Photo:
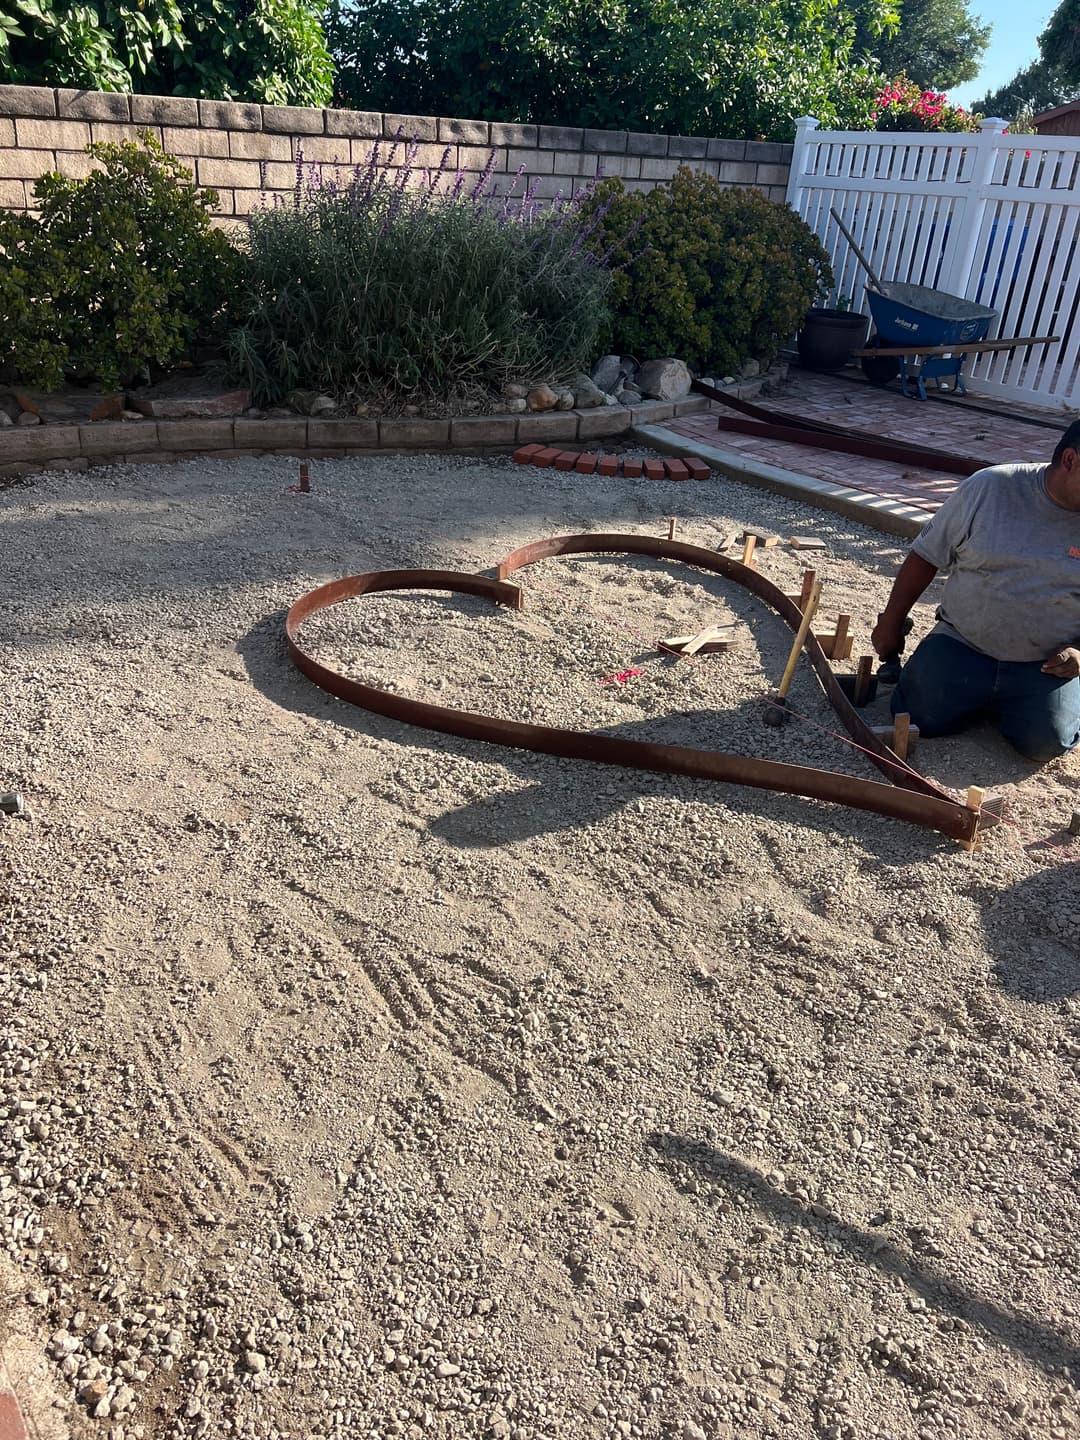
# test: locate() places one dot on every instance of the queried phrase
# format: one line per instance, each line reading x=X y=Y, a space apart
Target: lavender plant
x=399 y=283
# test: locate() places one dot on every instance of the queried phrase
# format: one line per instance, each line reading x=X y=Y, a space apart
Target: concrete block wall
x=248 y=153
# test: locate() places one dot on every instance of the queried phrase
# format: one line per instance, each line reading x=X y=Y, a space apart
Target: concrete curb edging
x=27 y=451
x=891 y=516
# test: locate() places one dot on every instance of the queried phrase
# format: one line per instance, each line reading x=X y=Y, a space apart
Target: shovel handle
x=800 y=640
x=875 y=278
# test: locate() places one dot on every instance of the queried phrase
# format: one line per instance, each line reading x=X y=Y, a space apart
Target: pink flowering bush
x=901 y=105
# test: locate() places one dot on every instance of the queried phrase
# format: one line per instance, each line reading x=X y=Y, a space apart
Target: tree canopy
x=1051 y=79
x=937 y=43
x=272 y=51
x=717 y=67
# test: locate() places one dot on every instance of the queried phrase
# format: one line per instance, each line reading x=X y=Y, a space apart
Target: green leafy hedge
x=120 y=273
x=715 y=276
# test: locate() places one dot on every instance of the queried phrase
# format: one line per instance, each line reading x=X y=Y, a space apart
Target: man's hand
x=1065 y=664
x=887 y=636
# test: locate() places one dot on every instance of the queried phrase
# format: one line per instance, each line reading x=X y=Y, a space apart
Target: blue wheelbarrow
x=913 y=326
x=910 y=319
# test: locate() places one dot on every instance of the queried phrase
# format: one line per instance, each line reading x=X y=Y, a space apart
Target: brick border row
x=24 y=451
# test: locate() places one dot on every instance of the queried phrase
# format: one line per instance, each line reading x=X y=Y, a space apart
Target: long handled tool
x=776 y=713
x=875 y=278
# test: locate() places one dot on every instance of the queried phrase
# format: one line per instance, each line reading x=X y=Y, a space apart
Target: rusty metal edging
x=795 y=429
x=914 y=799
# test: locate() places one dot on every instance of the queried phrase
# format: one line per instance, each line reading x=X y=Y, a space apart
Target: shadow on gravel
x=1030 y=929
x=1046 y=1347
x=551 y=804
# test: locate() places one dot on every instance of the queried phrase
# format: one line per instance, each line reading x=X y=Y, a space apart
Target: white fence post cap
x=993 y=122
x=807 y=122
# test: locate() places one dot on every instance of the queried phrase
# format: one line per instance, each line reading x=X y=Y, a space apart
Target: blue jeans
x=946 y=685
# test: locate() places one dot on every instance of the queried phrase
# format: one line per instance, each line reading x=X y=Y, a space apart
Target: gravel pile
x=361 y=1082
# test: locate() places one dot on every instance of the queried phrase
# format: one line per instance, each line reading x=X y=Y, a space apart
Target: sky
x=1014 y=43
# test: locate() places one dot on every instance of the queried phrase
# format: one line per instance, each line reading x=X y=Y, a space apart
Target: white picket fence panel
x=992 y=217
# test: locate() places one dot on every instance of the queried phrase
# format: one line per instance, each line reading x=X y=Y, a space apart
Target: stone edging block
x=23 y=451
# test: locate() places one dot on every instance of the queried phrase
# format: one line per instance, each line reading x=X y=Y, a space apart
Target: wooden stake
x=800 y=640
x=671 y=528
x=748 y=549
x=841 y=647
x=808 y=578
x=975 y=796
x=901 y=734
x=862 y=679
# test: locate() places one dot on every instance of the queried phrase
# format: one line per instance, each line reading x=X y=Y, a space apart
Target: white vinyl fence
x=991 y=217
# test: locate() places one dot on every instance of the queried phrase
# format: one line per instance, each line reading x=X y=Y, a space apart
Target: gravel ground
x=361 y=1082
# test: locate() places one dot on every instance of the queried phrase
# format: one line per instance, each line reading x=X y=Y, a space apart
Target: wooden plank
x=980 y=347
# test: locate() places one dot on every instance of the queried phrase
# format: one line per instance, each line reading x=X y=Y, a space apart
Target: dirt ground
x=361 y=1082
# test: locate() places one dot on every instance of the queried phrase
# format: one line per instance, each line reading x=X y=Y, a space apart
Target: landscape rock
x=517 y=405
x=565 y=400
x=606 y=372
x=5 y=419
x=749 y=370
x=664 y=379
x=514 y=391
x=587 y=395
x=71 y=406
x=628 y=396
x=184 y=396
x=542 y=397
x=28 y=418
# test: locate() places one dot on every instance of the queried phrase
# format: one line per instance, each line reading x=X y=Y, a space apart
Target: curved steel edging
x=935 y=810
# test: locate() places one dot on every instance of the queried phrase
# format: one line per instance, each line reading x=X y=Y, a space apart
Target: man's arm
x=911 y=580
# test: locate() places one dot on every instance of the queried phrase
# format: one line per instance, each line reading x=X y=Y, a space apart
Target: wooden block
x=763 y=538
x=697 y=468
x=525 y=454
x=895 y=737
x=608 y=465
x=975 y=797
x=632 y=467
x=566 y=460
x=806 y=542
x=586 y=464
x=837 y=645
x=654 y=470
x=544 y=459
x=676 y=470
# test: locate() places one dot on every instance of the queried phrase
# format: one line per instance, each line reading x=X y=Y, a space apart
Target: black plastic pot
x=829 y=338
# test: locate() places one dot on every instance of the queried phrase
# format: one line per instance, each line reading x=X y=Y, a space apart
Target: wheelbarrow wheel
x=879 y=369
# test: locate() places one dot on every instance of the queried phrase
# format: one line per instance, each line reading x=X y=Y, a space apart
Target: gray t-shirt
x=1013 y=560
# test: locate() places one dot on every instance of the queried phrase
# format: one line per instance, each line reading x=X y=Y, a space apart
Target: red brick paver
x=586 y=464
x=885 y=413
x=676 y=470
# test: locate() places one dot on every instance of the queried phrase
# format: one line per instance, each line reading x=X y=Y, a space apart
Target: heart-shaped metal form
x=910 y=797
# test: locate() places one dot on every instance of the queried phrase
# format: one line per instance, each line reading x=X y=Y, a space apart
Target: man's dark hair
x=1069 y=441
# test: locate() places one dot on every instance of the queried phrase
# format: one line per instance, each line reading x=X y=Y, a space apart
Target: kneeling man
x=1007 y=638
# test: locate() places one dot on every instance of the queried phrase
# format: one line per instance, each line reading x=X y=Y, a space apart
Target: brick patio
x=886 y=413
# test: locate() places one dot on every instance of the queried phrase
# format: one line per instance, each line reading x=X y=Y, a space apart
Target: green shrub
x=718 y=276
x=390 y=288
x=120 y=273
